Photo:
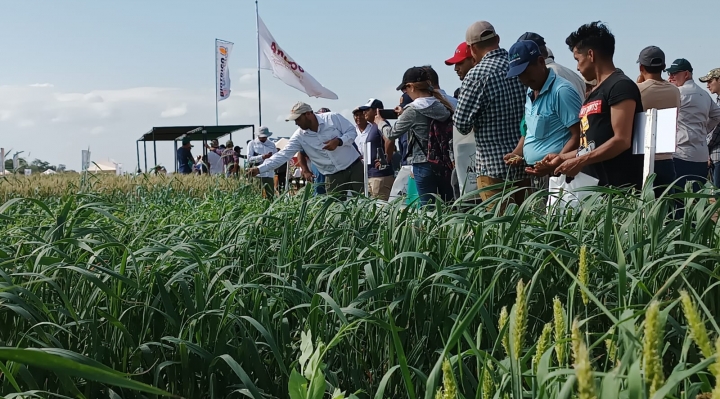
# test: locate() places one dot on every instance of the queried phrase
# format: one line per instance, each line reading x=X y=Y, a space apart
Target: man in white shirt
x=698 y=115
x=363 y=128
x=328 y=140
x=216 y=165
x=258 y=151
x=564 y=72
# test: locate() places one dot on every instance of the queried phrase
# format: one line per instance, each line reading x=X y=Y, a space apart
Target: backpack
x=439 y=151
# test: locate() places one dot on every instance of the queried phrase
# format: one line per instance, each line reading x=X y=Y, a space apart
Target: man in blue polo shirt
x=552 y=110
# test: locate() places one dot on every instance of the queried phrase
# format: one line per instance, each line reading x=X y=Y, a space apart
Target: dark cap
x=372 y=103
x=651 y=56
x=532 y=36
x=520 y=55
x=414 y=75
x=186 y=141
x=679 y=65
x=405 y=100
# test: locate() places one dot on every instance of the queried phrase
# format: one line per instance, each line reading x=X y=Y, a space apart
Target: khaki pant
x=380 y=187
x=350 y=179
x=517 y=197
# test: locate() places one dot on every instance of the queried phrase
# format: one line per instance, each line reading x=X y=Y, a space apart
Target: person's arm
x=472 y=103
x=568 y=109
x=389 y=145
x=348 y=133
x=293 y=146
x=516 y=156
x=403 y=124
x=622 y=116
x=303 y=161
x=572 y=145
x=714 y=116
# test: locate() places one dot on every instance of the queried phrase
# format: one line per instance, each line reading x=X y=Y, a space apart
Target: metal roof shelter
x=177 y=133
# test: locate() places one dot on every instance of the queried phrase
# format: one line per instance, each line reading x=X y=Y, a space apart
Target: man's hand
x=308 y=175
x=539 y=169
x=571 y=167
x=399 y=110
x=513 y=159
x=252 y=172
x=379 y=120
x=332 y=144
x=268 y=155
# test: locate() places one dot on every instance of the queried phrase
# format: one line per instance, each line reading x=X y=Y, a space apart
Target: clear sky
x=95 y=73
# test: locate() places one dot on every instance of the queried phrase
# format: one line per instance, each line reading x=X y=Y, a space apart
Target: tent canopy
x=172 y=133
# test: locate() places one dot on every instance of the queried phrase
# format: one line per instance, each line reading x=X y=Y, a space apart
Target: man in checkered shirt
x=712 y=79
x=493 y=105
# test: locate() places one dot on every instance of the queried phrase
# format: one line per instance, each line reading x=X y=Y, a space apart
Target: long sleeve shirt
x=256 y=150
x=330 y=126
x=698 y=116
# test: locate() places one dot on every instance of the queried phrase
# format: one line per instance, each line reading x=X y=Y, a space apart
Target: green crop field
x=144 y=287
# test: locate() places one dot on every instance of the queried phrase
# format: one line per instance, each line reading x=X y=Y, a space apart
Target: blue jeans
x=716 y=173
x=665 y=171
x=429 y=181
x=319 y=185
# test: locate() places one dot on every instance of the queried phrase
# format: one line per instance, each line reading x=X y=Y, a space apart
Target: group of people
x=531 y=118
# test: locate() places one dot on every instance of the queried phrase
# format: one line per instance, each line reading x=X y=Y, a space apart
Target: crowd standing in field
x=530 y=117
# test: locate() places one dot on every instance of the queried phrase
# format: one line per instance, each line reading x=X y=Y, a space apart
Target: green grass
x=205 y=293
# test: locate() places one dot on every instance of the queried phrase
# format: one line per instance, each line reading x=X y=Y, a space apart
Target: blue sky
x=79 y=73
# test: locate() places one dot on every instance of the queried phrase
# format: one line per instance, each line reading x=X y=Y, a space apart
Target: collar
x=367 y=127
x=549 y=61
x=498 y=52
x=548 y=83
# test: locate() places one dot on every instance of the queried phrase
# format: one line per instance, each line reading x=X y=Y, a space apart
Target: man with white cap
x=258 y=151
x=492 y=105
x=328 y=140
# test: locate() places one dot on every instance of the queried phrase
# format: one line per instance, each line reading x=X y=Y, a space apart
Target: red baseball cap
x=461 y=54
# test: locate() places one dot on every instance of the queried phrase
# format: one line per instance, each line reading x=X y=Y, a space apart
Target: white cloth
x=331 y=125
x=276 y=59
x=698 y=115
x=256 y=149
x=567 y=74
x=216 y=166
x=361 y=138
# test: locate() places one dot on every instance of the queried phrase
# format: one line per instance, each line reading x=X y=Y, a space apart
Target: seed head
x=520 y=320
x=583 y=273
x=542 y=345
x=488 y=383
x=652 y=362
x=696 y=325
x=559 y=319
x=583 y=368
x=449 y=389
x=501 y=324
x=715 y=369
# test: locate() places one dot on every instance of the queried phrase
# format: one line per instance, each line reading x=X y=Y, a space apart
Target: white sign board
x=85 y=160
x=28 y=172
x=666 y=134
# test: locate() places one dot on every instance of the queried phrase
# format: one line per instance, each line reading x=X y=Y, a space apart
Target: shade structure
x=177 y=133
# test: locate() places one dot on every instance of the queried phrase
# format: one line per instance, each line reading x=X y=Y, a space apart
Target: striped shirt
x=492 y=105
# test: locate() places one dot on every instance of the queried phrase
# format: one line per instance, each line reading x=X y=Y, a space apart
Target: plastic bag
x=569 y=195
x=400 y=186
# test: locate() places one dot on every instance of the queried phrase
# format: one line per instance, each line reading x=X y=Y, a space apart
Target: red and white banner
x=222 y=75
x=286 y=69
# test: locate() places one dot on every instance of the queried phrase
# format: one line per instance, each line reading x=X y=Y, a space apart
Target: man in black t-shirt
x=606 y=117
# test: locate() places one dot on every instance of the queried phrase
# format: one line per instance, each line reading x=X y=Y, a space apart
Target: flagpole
x=257 y=28
x=216 y=86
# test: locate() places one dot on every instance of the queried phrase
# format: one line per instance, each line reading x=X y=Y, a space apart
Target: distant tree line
x=37 y=165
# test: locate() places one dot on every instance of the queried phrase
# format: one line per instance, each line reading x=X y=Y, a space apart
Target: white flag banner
x=286 y=69
x=222 y=75
x=2 y=161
